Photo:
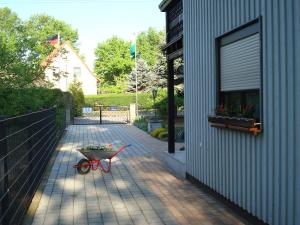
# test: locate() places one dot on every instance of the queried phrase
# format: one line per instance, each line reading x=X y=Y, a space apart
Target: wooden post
x=171 y=111
x=132 y=113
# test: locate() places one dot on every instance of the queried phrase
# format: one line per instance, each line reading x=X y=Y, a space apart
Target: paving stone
x=139 y=190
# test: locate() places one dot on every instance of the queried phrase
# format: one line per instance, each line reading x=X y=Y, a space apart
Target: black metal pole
x=171 y=119
x=3 y=173
x=100 y=109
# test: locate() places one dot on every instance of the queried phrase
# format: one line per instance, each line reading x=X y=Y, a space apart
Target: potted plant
x=230 y=116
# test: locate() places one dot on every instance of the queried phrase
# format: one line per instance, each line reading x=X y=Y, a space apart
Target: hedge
x=14 y=102
x=119 y=99
x=144 y=100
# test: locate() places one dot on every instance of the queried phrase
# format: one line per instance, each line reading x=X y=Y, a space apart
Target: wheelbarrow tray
x=97 y=154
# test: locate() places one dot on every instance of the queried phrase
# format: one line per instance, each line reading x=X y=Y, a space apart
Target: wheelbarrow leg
x=105 y=170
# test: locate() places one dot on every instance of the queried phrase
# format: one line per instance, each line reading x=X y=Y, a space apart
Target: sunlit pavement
x=138 y=190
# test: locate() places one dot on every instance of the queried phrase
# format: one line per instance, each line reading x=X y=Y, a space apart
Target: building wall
x=259 y=173
x=67 y=63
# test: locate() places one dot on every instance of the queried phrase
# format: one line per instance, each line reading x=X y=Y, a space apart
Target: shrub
x=78 y=103
x=155 y=133
x=162 y=104
x=163 y=135
x=141 y=123
x=14 y=102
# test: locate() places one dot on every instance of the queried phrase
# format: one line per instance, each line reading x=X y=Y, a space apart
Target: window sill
x=240 y=124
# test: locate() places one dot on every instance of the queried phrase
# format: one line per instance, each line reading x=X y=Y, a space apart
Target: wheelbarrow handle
x=120 y=149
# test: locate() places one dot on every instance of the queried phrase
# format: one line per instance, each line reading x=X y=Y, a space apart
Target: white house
x=64 y=65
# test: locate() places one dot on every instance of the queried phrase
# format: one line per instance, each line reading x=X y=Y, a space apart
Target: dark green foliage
x=141 y=123
x=14 y=102
x=78 y=96
x=162 y=104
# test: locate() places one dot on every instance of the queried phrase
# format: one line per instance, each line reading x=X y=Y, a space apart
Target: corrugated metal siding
x=261 y=174
x=240 y=64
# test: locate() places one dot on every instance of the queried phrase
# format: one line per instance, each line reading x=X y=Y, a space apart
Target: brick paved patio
x=139 y=190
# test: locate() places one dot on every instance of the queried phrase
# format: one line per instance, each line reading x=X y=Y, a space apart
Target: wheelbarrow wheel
x=84 y=166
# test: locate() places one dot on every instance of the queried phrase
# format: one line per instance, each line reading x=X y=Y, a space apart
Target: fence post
x=100 y=108
x=68 y=108
x=3 y=173
x=132 y=113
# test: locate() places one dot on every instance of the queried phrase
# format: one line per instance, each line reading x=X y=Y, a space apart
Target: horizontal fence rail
x=26 y=144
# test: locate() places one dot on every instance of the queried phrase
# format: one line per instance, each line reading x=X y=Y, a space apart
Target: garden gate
x=103 y=115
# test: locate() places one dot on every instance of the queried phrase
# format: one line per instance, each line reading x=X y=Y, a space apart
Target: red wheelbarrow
x=94 y=158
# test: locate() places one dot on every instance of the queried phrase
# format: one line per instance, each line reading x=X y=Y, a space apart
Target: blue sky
x=95 y=20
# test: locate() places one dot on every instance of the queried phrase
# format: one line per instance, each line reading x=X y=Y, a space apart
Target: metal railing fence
x=26 y=144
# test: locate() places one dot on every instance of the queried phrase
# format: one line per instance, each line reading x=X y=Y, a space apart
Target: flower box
x=235 y=123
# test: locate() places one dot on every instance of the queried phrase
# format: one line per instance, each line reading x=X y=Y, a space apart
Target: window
x=239 y=70
x=77 y=73
x=56 y=72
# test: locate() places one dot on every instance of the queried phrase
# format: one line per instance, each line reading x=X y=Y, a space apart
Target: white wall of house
x=67 y=62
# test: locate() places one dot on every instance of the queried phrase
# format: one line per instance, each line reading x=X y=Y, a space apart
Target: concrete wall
x=259 y=173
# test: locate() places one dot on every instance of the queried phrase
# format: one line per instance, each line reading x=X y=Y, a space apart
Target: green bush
x=14 y=102
x=79 y=102
x=162 y=103
x=163 y=135
x=141 y=123
x=155 y=133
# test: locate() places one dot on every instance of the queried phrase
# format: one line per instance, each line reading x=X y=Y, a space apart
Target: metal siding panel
x=290 y=113
x=296 y=66
x=277 y=102
x=254 y=172
x=269 y=105
x=283 y=117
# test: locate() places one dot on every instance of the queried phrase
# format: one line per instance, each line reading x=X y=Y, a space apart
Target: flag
x=54 y=40
x=133 y=48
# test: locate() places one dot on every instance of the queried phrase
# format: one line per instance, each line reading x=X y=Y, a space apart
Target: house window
x=77 y=73
x=56 y=72
x=239 y=71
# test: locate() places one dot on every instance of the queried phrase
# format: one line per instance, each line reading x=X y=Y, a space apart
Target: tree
x=113 y=60
x=78 y=98
x=23 y=46
x=19 y=65
x=144 y=76
x=149 y=45
x=160 y=71
x=40 y=27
